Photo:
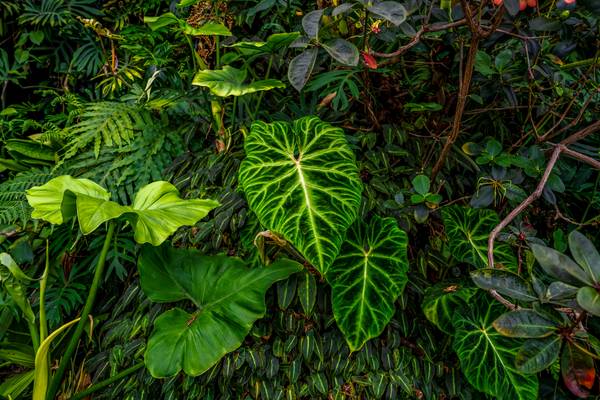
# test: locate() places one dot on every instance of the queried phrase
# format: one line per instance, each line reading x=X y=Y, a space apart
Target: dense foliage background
x=453 y=115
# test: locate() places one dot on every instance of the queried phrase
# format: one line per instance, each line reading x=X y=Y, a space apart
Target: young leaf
x=589 y=299
x=560 y=266
x=538 y=354
x=229 y=81
x=421 y=184
x=524 y=324
x=301 y=67
x=311 y=22
x=504 y=282
x=161 y=21
x=342 y=51
x=577 y=369
x=367 y=278
x=302 y=182
x=229 y=297
x=585 y=254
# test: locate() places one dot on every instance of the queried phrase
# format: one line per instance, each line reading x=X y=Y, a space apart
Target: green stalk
x=43 y=323
x=35 y=337
x=102 y=384
x=260 y=97
x=72 y=346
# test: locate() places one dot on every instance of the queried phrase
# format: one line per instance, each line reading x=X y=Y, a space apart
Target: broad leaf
x=11 y=278
x=209 y=28
x=275 y=42
x=367 y=278
x=229 y=81
x=442 y=300
x=577 y=369
x=301 y=67
x=504 y=282
x=524 y=324
x=342 y=51
x=311 y=22
x=538 y=354
x=468 y=231
x=559 y=266
x=229 y=297
x=341 y=9
x=585 y=254
x=161 y=21
x=487 y=358
x=55 y=200
x=589 y=299
x=302 y=182
x=389 y=10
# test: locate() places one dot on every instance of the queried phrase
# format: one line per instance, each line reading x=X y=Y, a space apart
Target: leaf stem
x=71 y=347
x=43 y=281
x=102 y=384
x=262 y=93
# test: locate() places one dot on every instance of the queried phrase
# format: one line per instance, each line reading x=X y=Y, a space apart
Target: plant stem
x=106 y=382
x=43 y=323
x=35 y=337
x=260 y=97
x=71 y=347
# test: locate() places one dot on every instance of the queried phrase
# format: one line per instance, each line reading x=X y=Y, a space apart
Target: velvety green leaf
x=504 y=282
x=559 y=265
x=311 y=22
x=389 y=10
x=301 y=67
x=468 y=230
x=367 y=278
x=577 y=370
x=229 y=297
x=229 y=81
x=538 y=354
x=443 y=299
x=585 y=254
x=302 y=182
x=524 y=324
x=487 y=358
x=342 y=51
x=55 y=200
x=589 y=299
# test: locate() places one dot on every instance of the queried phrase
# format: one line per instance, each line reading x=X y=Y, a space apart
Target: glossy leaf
x=301 y=67
x=229 y=297
x=11 y=277
x=367 y=278
x=302 y=182
x=207 y=29
x=275 y=42
x=342 y=51
x=487 y=358
x=504 y=282
x=585 y=254
x=161 y=21
x=538 y=354
x=468 y=230
x=307 y=292
x=589 y=299
x=524 y=324
x=389 y=10
x=443 y=299
x=577 y=370
x=230 y=81
x=559 y=265
x=311 y=22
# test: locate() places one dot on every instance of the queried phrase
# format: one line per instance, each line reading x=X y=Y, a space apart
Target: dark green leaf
x=560 y=266
x=504 y=282
x=524 y=324
x=589 y=299
x=585 y=254
x=301 y=67
x=342 y=51
x=538 y=354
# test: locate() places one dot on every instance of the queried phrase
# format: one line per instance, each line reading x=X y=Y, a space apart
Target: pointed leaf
x=307 y=292
x=538 y=354
x=504 y=282
x=585 y=254
x=275 y=42
x=589 y=299
x=559 y=265
x=229 y=81
x=560 y=291
x=229 y=297
x=161 y=21
x=341 y=9
x=524 y=324
x=577 y=370
x=301 y=67
x=342 y=51
x=367 y=278
x=442 y=300
x=13 y=286
x=389 y=10
x=302 y=182
x=209 y=28
x=311 y=22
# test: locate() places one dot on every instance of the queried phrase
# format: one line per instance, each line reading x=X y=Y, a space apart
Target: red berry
x=522 y=4
x=532 y=3
x=497 y=2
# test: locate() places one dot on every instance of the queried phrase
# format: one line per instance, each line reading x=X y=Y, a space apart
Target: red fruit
x=369 y=60
x=570 y=1
x=497 y=2
x=522 y=4
x=532 y=3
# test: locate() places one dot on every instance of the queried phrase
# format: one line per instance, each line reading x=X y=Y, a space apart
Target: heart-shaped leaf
x=585 y=254
x=468 y=230
x=538 y=354
x=302 y=182
x=342 y=51
x=301 y=67
x=524 y=324
x=504 y=282
x=229 y=81
x=229 y=297
x=443 y=299
x=367 y=278
x=589 y=299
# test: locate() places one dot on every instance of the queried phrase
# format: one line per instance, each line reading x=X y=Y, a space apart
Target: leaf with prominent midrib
x=302 y=182
x=230 y=81
x=367 y=278
x=229 y=297
x=487 y=358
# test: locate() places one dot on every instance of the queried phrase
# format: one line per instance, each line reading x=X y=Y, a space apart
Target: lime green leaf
x=367 y=278
x=302 y=182
x=161 y=21
x=504 y=282
x=538 y=354
x=229 y=297
x=524 y=324
x=275 y=42
x=560 y=266
x=589 y=299
x=443 y=299
x=468 y=230
x=12 y=387
x=9 y=277
x=55 y=200
x=209 y=28
x=229 y=81
x=487 y=358
x=585 y=254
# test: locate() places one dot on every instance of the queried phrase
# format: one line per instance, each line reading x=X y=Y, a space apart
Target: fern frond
x=13 y=204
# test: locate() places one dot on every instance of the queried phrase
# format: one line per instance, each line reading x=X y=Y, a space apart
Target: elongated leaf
x=538 y=354
x=367 y=278
x=209 y=28
x=585 y=254
x=307 y=292
x=11 y=281
x=229 y=81
x=442 y=300
x=311 y=22
x=487 y=358
x=302 y=182
x=468 y=230
x=524 y=324
x=342 y=51
x=275 y=42
x=12 y=387
x=504 y=282
x=577 y=369
x=589 y=299
x=560 y=291
x=40 y=384
x=161 y=21
x=301 y=67
x=229 y=297
x=389 y=10
x=559 y=266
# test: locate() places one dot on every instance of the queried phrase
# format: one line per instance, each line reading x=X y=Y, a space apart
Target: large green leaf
x=229 y=297
x=443 y=299
x=302 y=182
x=504 y=282
x=538 y=354
x=229 y=81
x=156 y=213
x=559 y=266
x=589 y=299
x=487 y=358
x=468 y=230
x=367 y=278
x=524 y=323
x=586 y=255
